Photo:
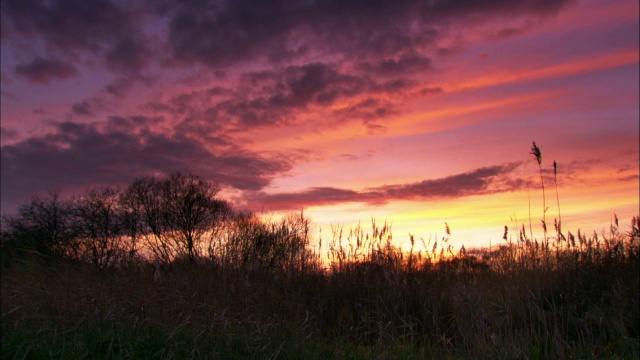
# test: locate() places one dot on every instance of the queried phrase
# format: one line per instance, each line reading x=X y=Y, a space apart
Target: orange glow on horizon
x=416 y=119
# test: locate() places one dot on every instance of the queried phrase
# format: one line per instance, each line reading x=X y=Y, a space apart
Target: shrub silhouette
x=257 y=245
x=43 y=228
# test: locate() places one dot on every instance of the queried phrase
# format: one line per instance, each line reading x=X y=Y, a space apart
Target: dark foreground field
x=576 y=298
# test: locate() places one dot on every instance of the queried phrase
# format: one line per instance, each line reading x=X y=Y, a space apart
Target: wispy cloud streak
x=481 y=181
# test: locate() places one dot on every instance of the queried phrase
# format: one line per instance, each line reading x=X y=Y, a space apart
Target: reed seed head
x=535 y=151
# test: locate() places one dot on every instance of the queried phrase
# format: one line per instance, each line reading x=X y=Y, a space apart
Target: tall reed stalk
x=555 y=181
x=535 y=151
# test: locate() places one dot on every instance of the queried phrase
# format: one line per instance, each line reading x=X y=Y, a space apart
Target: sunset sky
x=412 y=112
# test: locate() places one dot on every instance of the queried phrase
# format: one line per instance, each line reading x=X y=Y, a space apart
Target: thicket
x=166 y=221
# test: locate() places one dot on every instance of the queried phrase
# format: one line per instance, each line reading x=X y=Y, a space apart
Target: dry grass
x=575 y=299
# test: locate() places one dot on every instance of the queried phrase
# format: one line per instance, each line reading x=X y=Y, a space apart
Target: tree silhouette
x=101 y=224
x=175 y=213
x=142 y=202
x=41 y=227
x=189 y=210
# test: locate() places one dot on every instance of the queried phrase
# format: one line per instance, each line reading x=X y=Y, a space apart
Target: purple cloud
x=220 y=34
x=384 y=37
x=77 y=155
x=405 y=64
x=42 y=71
x=82 y=108
x=481 y=181
x=302 y=57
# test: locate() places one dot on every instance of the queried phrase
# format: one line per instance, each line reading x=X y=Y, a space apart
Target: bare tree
x=175 y=213
x=142 y=201
x=132 y=221
x=101 y=225
x=190 y=210
x=42 y=226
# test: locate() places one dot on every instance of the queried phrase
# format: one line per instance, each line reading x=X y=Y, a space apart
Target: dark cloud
x=82 y=108
x=375 y=129
x=223 y=33
x=8 y=133
x=305 y=85
x=69 y=25
x=276 y=97
x=430 y=91
x=385 y=37
x=628 y=168
x=368 y=110
x=481 y=181
x=305 y=57
x=77 y=155
x=120 y=86
x=102 y=29
x=42 y=71
x=316 y=196
x=404 y=64
x=628 y=178
x=127 y=56
x=318 y=83
x=266 y=97
x=489 y=7
x=395 y=86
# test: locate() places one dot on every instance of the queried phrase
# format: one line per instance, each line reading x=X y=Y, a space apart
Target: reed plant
x=537 y=154
x=523 y=299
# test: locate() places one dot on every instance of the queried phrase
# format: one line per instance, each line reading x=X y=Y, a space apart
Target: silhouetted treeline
x=168 y=220
x=562 y=297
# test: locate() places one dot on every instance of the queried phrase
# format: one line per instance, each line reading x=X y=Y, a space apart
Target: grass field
x=571 y=298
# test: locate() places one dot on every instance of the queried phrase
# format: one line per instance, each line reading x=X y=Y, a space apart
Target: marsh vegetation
x=164 y=269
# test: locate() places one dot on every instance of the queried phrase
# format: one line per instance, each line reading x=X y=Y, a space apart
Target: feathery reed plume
x=410 y=265
x=535 y=151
